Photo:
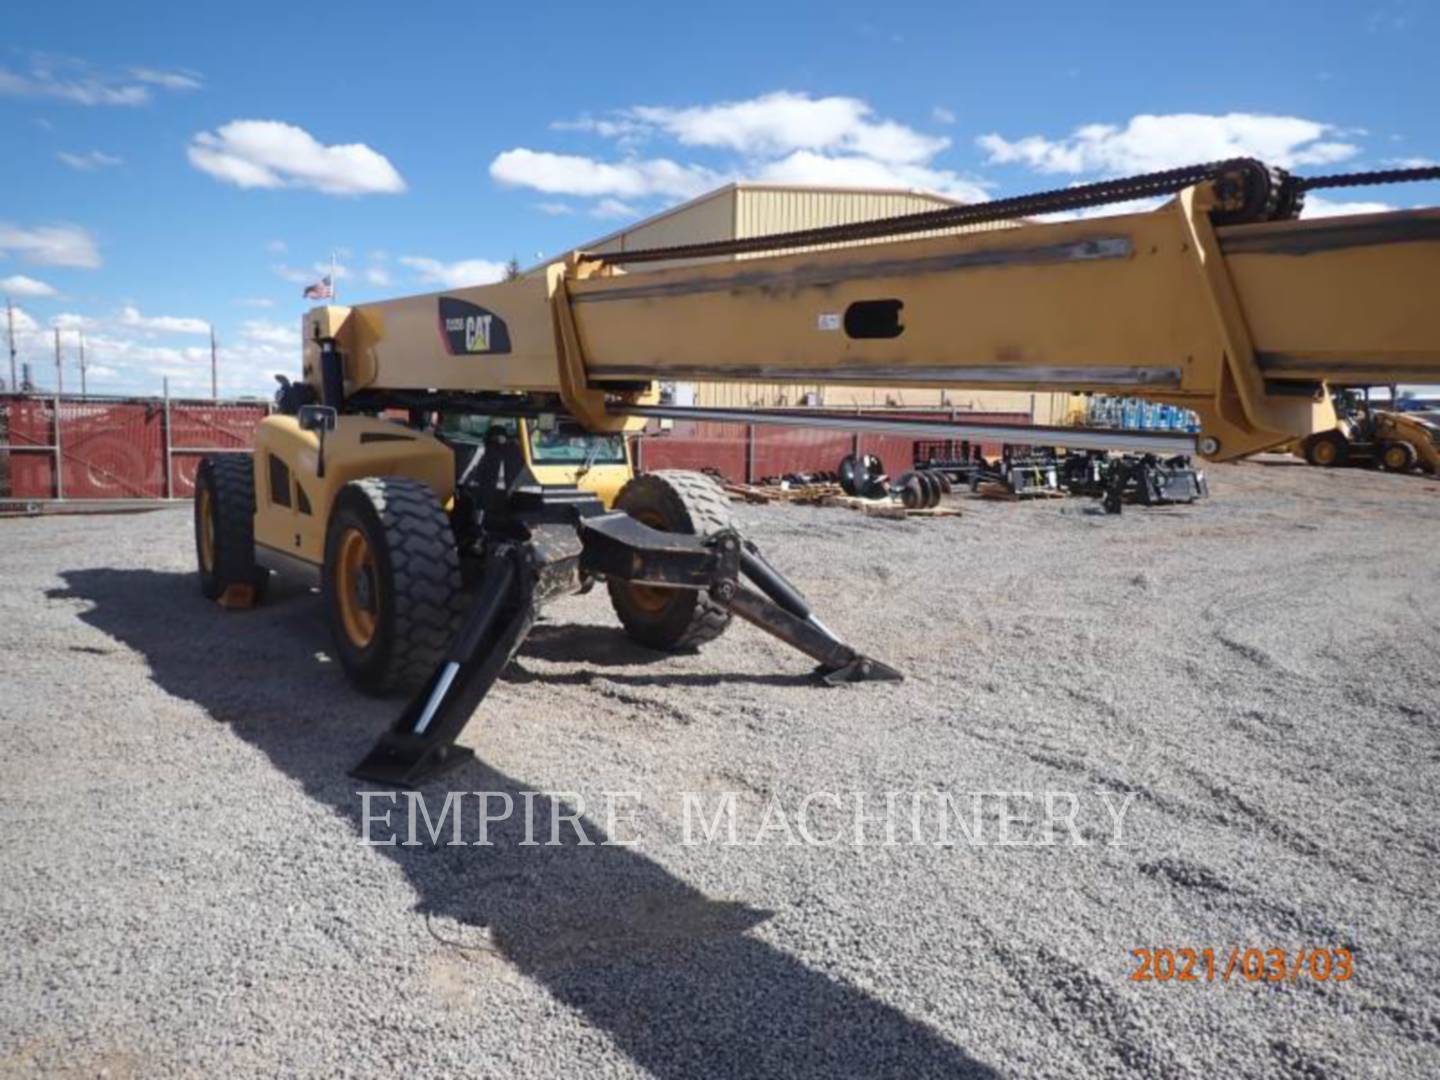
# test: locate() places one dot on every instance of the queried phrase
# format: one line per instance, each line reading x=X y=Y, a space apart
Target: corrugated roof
x=748 y=185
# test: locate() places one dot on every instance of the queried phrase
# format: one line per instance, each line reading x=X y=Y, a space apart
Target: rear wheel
x=225 y=530
x=1328 y=450
x=672 y=500
x=391 y=582
x=1398 y=456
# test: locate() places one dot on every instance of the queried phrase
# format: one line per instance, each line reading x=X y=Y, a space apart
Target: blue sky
x=187 y=164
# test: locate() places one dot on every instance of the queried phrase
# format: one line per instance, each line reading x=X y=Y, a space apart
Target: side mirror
x=319 y=418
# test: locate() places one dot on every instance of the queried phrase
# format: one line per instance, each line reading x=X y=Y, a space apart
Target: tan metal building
x=742 y=210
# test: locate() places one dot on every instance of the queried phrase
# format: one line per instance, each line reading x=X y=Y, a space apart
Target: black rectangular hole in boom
x=874 y=319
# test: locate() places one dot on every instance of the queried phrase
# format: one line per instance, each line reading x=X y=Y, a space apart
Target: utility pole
x=10 y=321
x=82 y=363
x=214 y=370
x=59 y=365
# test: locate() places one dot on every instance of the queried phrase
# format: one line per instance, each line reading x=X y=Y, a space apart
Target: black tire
x=913 y=489
x=225 y=490
x=412 y=586
x=672 y=500
x=1329 y=450
x=931 y=483
x=1398 y=457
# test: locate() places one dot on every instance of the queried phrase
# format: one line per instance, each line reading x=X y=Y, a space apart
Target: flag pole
x=334 y=281
x=214 y=381
x=10 y=322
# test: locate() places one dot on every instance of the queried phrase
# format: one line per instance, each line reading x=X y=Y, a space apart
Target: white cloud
x=781 y=122
x=255 y=302
x=780 y=137
x=20 y=285
x=269 y=333
x=74 y=83
x=613 y=208
x=941 y=115
x=571 y=174
x=51 y=245
x=301 y=276
x=1317 y=206
x=168 y=80
x=293 y=275
x=276 y=247
x=555 y=209
x=820 y=170
x=121 y=361
x=271 y=154
x=162 y=324
x=90 y=160
x=377 y=276
x=24 y=322
x=457 y=274
x=1410 y=163
x=1149 y=143
x=622 y=128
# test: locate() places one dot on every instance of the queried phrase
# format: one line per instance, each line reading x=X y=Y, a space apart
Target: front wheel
x=391 y=582
x=672 y=500
x=1398 y=457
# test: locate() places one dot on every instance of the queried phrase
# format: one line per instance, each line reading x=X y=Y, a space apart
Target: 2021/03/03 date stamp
x=1237 y=964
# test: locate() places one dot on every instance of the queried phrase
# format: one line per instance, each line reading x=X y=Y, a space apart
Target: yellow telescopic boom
x=1244 y=323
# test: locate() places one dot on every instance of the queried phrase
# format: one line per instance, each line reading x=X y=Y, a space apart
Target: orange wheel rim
x=207 y=532
x=355 y=587
x=1325 y=453
x=651 y=599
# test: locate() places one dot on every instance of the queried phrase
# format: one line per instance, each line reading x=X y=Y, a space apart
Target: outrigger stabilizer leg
x=519 y=575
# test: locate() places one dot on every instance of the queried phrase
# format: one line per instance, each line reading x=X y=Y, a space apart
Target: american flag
x=324 y=289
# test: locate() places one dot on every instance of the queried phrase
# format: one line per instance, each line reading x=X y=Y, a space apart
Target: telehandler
x=436 y=537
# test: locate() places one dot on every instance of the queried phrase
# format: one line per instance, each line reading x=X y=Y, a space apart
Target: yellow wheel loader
x=450 y=462
x=1395 y=441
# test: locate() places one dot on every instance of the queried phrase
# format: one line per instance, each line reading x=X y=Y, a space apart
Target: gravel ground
x=184 y=891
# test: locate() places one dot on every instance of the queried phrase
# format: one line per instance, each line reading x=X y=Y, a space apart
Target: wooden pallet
x=994 y=490
x=811 y=494
x=887 y=508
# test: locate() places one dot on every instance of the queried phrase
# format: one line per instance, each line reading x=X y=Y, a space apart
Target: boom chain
x=1250 y=191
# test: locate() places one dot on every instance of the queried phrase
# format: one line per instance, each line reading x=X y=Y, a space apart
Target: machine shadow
x=610 y=647
x=672 y=976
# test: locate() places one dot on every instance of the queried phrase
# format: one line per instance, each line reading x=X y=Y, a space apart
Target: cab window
x=570 y=444
x=468 y=427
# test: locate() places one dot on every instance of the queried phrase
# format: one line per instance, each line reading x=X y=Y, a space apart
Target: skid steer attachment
x=559 y=541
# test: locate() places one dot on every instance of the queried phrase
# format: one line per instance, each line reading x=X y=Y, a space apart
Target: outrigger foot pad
x=861 y=669
x=407 y=761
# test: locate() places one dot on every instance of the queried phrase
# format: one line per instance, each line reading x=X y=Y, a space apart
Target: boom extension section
x=558 y=541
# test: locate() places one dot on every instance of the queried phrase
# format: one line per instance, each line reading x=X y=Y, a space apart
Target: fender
x=292 y=503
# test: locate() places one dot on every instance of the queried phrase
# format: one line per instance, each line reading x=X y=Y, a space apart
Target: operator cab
x=557 y=449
